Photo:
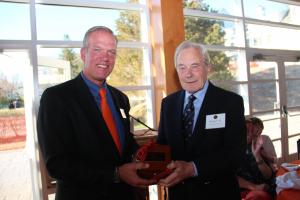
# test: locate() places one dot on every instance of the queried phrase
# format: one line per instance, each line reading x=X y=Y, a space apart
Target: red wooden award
x=158 y=157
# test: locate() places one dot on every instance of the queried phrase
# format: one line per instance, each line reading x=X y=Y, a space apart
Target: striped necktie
x=188 y=117
x=109 y=120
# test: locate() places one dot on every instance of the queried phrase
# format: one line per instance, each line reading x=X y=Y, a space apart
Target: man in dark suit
x=204 y=125
x=76 y=142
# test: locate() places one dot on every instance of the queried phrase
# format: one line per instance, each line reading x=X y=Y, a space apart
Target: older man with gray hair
x=204 y=125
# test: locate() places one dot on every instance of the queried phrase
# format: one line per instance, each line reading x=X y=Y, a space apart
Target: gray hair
x=188 y=44
x=95 y=29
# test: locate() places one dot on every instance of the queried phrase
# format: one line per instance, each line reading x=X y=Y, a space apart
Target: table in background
x=288 y=194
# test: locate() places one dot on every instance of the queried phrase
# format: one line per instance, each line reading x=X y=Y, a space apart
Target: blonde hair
x=95 y=29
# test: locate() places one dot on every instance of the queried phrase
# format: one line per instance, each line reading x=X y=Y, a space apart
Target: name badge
x=123 y=113
x=215 y=121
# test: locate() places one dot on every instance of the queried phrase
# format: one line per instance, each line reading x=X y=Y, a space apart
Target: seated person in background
x=256 y=176
x=268 y=150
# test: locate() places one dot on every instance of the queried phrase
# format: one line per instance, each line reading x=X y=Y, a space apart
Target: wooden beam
x=166 y=32
x=173 y=35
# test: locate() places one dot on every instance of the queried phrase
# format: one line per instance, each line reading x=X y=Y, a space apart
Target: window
x=17 y=14
x=254 y=50
x=258 y=37
x=272 y=11
x=126 y=18
x=52 y=37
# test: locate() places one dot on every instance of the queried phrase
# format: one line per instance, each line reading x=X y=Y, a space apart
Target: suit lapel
x=177 y=119
x=88 y=104
x=204 y=110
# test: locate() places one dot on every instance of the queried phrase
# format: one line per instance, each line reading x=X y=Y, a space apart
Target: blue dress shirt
x=94 y=89
x=197 y=102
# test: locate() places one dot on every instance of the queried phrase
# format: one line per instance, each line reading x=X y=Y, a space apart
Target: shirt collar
x=200 y=93
x=91 y=84
x=94 y=88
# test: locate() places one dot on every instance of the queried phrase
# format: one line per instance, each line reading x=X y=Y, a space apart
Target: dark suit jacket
x=76 y=144
x=216 y=152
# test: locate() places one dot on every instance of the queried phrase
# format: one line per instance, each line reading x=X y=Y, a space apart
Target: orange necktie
x=109 y=120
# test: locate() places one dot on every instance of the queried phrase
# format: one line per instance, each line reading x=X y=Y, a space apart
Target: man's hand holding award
x=158 y=157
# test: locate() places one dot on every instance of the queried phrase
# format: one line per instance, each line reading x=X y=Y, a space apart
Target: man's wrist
x=116 y=175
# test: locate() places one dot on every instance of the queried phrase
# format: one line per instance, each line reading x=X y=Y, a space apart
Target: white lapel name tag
x=123 y=113
x=215 y=121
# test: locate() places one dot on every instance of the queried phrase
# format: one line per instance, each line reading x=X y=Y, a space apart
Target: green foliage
x=129 y=26
x=129 y=65
x=4 y=102
x=208 y=32
x=198 y=5
x=75 y=61
x=220 y=75
x=128 y=68
x=220 y=70
x=215 y=34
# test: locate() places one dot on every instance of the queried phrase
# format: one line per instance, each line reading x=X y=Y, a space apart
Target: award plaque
x=158 y=157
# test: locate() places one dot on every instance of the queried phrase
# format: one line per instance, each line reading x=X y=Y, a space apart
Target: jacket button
x=206 y=182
